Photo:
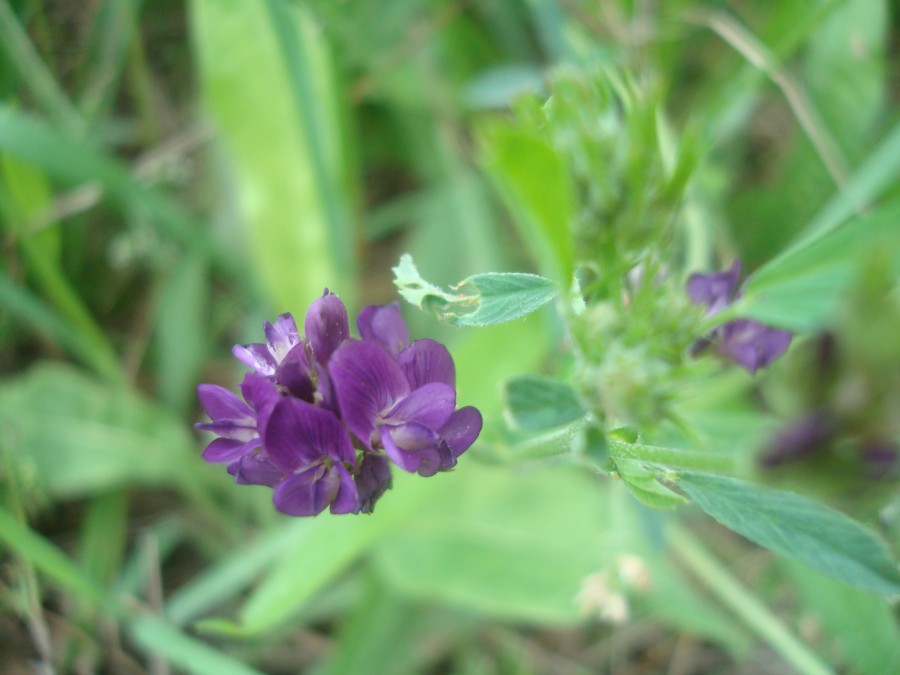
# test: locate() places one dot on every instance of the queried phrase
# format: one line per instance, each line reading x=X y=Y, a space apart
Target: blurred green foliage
x=172 y=175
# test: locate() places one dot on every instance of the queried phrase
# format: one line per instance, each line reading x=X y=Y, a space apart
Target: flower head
x=324 y=414
x=746 y=342
x=716 y=290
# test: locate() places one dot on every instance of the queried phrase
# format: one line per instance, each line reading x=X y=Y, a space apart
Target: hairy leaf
x=794 y=526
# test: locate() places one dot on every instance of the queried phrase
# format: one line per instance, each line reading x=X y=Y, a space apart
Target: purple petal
x=384 y=325
x=753 y=345
x=434 y=459
x=408 y=461
x=235 y=430
x=367 y=383
x=296 y=375
x=426 y=361
x=255 y=356
x=308 y=492
x=326 y=326
x=372 y=480
x=462 y=429
x=259 y=392
x=298 y=434
x=403 y=444
x=411 y=437
x=457 y=435
x=430 y=405
x=346 y=499
x=328 y=399
x=219 y=403
x=281 y=337
x=800 y=438
x=224 y=450
x=714 y=290
x=254 y=469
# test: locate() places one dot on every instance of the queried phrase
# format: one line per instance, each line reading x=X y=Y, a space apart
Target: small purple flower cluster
x=748 y=343
x=844 y=416
x=323 y=415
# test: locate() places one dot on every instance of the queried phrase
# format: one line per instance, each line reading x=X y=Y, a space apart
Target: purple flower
x=404 y=407
x=236 y=423
x=373 y=479
x=324 y=415
x=326 y=326
x=313 y=450
x=281 y=338
x=716 y=290
x=384 y=326
x=746 y=342
x=800 y=438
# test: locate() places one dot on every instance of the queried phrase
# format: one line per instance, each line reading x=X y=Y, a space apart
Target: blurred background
x=172 y=174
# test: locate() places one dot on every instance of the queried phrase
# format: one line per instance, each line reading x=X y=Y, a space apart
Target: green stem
x=755 y=615
x=670 y=457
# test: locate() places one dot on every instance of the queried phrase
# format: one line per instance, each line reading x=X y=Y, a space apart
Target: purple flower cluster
x=323 y=415
x=748 y=343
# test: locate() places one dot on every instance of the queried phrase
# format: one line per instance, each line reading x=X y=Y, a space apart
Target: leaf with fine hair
x=787 y=523
x=479 y=300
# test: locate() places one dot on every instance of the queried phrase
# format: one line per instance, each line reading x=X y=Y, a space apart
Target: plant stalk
x=754 y=614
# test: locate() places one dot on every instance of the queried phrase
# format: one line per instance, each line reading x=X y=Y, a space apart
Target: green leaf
x=877 y=173
x=672 y=598
x=367 y=639
x=33 y=73
x=75 y=161
x=478 y=379
x=76 y=435
x=506 y=296
x=30 y=311
x=160 y=639
x=802 y=291
x=516 y=545
x=295 y=578
x=315 y=553
x=28 y=193
x=479 y=300
x=230 y=575
x=645 y=487
x=103 y=535
x=327 y=546
x=801 y=529
x=845 y=71
x=869 y=646
x=107 y=47
x=536 y=402
x=537 y=189
x=513 y=445
x=50 y=560
x=274 y=100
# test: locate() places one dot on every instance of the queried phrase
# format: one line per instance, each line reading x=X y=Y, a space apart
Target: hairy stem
x=755 y=615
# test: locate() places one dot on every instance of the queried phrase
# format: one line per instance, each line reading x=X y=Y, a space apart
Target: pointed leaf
x=479 y=300
x=794 y=526
x=78 y=435
x=537 y=402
